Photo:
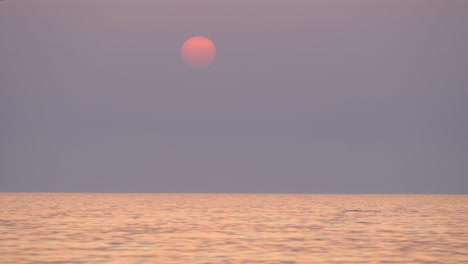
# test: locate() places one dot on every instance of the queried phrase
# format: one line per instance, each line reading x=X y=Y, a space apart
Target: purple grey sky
x=309 y=96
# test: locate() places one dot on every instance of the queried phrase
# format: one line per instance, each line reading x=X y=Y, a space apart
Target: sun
x=198 y=52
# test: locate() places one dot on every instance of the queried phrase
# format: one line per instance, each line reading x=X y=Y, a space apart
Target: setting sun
x=198 y=52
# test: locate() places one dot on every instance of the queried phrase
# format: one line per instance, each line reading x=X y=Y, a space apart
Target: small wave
x=361 y=211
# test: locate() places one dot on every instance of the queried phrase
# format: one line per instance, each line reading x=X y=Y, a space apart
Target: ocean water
x=232 y=228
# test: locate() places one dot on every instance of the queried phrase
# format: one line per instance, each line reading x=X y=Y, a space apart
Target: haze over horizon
x=303 y=97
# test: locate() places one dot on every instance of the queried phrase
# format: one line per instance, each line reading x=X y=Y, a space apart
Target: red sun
x=198 y=52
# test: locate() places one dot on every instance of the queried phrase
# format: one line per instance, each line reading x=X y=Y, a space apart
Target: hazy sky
x=304 y=96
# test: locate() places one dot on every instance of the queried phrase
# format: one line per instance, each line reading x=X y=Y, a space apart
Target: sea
x=232 y=228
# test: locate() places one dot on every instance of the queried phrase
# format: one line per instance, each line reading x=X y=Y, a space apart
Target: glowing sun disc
x=198 y=52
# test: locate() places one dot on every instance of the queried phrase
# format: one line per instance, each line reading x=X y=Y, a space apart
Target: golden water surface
x=232 y=228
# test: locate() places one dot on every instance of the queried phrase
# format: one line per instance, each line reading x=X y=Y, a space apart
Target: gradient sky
x=305 y=96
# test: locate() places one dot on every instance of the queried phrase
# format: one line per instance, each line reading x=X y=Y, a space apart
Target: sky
x=305 y=96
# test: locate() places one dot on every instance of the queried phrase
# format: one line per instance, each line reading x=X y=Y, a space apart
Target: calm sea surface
x=232 y=228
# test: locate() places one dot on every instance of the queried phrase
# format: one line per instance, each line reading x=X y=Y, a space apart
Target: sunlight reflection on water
x=232 y=228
